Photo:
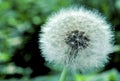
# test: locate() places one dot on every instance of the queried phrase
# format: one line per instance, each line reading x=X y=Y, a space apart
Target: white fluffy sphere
x=77 y=38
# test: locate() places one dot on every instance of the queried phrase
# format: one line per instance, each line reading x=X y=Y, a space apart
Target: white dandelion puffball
x=77 y=38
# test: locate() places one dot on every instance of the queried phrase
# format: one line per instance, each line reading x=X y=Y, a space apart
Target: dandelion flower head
x=77 y=38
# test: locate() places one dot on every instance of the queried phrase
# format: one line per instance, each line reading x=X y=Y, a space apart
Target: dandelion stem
x=63 y=74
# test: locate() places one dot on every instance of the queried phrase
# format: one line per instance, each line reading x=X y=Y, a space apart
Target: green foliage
x=19 y=16
x=4 y=57
x=111 y=75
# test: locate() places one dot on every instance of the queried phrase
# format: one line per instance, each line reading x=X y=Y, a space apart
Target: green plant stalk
x=63 y=74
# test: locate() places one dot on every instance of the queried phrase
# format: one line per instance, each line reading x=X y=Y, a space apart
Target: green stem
x=63 y=74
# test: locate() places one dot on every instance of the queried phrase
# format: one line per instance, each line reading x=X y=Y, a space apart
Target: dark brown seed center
x=76 y=39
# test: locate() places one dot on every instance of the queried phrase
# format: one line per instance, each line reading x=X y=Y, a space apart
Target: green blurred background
x=20 y=21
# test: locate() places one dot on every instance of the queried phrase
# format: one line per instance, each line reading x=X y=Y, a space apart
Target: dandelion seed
x=78 y=38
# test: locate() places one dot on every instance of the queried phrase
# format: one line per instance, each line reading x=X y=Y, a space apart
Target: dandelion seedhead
x=78 y=38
